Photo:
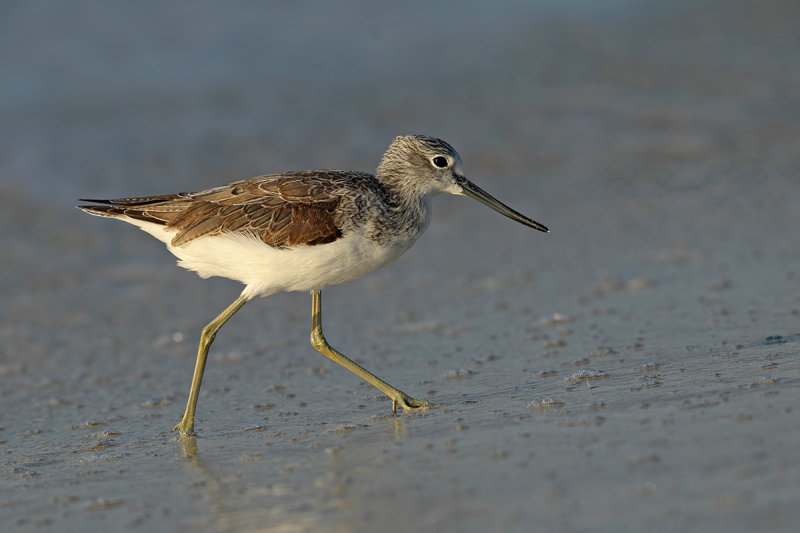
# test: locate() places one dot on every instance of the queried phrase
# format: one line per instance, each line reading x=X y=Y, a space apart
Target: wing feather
x=282 y=210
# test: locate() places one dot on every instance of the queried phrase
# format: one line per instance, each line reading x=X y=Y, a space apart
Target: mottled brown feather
x=281 y=210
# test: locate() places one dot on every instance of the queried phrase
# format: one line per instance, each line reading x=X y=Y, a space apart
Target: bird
x=302 y=231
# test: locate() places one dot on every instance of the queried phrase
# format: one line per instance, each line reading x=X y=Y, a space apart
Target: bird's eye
x=440 y=161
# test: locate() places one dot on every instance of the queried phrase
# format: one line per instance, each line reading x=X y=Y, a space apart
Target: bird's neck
x=409 y=209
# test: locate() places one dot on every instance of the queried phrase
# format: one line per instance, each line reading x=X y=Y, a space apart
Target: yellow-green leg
x=321 y=345
x=186 y=425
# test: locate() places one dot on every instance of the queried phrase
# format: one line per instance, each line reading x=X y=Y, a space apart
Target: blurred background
x=658 y=141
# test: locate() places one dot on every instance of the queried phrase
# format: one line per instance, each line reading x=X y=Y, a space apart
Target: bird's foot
x=410 y=404
x=186 y=428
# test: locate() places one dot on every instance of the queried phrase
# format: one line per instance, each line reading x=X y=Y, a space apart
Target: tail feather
x=100 y=210
x=136 y=207
x=95 y=201
x=136 y=201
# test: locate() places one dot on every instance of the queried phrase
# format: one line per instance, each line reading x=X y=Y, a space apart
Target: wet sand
x=634 y=370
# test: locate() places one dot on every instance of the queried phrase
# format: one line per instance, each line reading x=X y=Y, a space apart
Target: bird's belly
x=266 y=270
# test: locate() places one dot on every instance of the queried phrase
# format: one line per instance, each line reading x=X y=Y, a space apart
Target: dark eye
x=440 y=161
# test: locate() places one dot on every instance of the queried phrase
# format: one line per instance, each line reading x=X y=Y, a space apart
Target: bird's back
x=282 y=210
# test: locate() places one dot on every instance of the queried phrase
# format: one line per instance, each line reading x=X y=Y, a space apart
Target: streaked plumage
x=303 y=230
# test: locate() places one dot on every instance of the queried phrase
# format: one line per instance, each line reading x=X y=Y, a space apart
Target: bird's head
x=426 y=166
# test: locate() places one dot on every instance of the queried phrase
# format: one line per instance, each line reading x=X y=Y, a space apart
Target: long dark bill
x=475 y=192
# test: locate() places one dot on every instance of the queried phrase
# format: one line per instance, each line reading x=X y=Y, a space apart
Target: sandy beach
x=637 y=369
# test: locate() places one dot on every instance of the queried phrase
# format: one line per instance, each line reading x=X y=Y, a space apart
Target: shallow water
x=636 y=369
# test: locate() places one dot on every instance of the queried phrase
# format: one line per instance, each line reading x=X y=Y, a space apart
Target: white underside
x=266 y=270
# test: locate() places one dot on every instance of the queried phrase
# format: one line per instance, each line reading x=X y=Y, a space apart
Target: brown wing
x=282 y=210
